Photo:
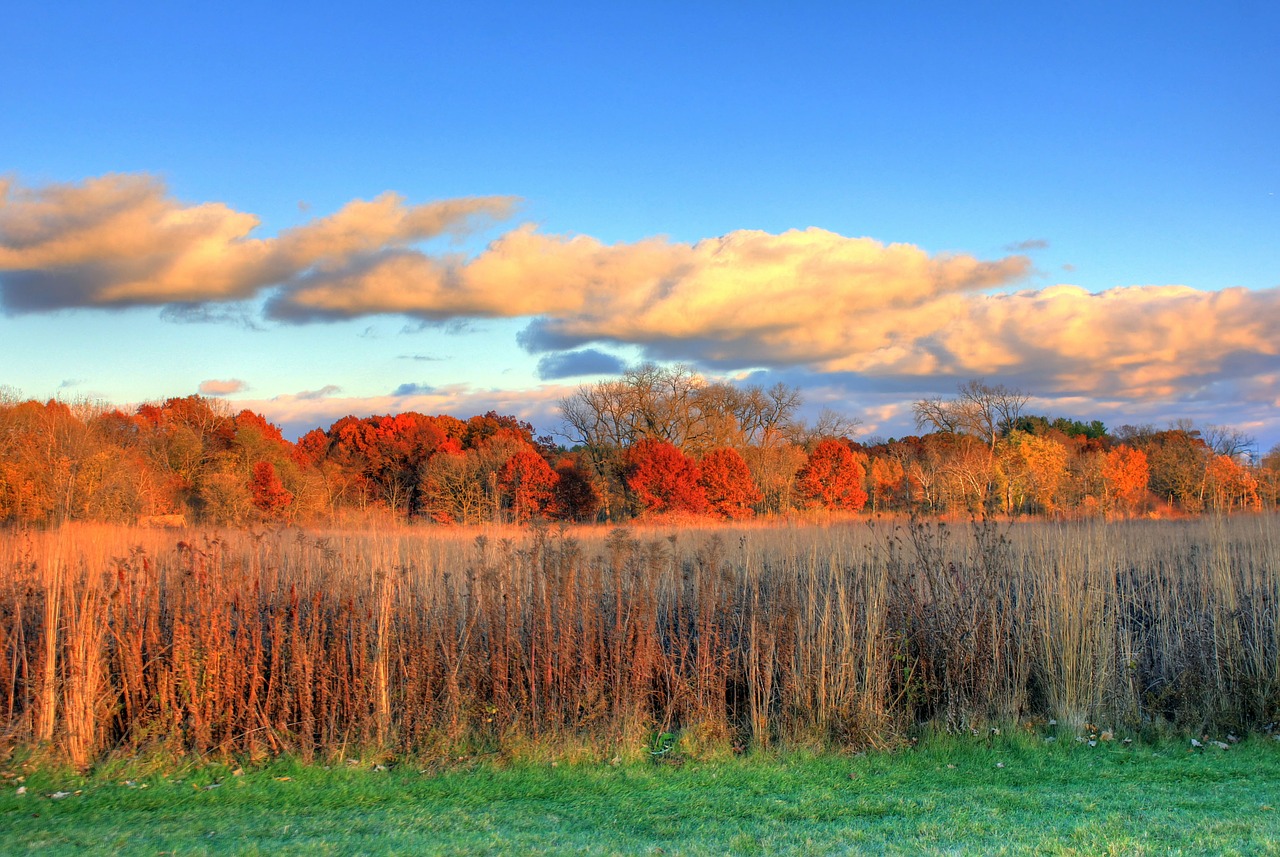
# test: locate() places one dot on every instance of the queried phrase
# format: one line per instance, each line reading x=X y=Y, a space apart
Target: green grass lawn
x=1019 y=796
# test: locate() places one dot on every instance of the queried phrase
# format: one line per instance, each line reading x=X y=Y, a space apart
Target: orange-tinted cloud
x=744 y=298
x=121 y=240
x=228 y=387
x=809 y=299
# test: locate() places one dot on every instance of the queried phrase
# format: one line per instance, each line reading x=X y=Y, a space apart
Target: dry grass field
x=427 y=641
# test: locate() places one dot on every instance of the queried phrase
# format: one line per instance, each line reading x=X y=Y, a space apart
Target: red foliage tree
x=385 y=454
x=663 y=478
x=576 y=496
x=269 y=495
x=311 y=449
x=833 y=477
x=482 y=428
x=270 y=432
x=726 y=479
x=528 y=484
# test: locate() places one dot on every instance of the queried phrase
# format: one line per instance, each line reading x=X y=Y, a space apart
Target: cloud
x=804 y=300
x=121 y=240
x=1027 y=246
x=313 y=395
x=745 y=299
x=237 y=314
x=571 y=364
x=222 y=388
x=412 y=389
x=739 y=286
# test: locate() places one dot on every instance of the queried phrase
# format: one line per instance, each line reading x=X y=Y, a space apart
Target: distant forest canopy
x=654 y=442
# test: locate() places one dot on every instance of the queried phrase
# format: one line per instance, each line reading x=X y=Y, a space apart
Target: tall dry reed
x=422 y=641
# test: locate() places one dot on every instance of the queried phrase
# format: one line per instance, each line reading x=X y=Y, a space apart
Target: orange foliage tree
x=887 y=479
x=726 y=479
x=1035 y=467
x=1230 y=485
x=663 y=478
x=1125 y=476
x=832 y=478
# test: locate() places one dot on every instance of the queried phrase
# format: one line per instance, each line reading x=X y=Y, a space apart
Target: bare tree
x=830 y=424
x=979 y=409
x=940 y=415
x=1230 y=441
x=764 y=415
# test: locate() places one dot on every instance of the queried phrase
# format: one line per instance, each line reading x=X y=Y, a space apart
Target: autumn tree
x=1124 y=477
x=576 y=496
x=1036 y=467
x=527 y=485
x=1268 y=474
x=672 y=404
x=773 y=469
x=727 y=482
x=185 y=438
x=454 y=489
x=888 y=478
x=832 y=478
x=479 y=430
x=965 y=472
x=269 y=496
x=1230 y=485
x=386 y=455
x=461 y=486
x=1176 y=461
x=663 y=478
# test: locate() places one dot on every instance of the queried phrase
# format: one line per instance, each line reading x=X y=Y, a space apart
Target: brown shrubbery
x=115 y=640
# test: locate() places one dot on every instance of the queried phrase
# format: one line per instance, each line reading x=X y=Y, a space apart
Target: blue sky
x=875 y=202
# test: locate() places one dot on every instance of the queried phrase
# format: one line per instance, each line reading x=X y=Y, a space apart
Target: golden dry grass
x=422 y=640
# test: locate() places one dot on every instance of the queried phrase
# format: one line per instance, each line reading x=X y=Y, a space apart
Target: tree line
x=657 y=441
